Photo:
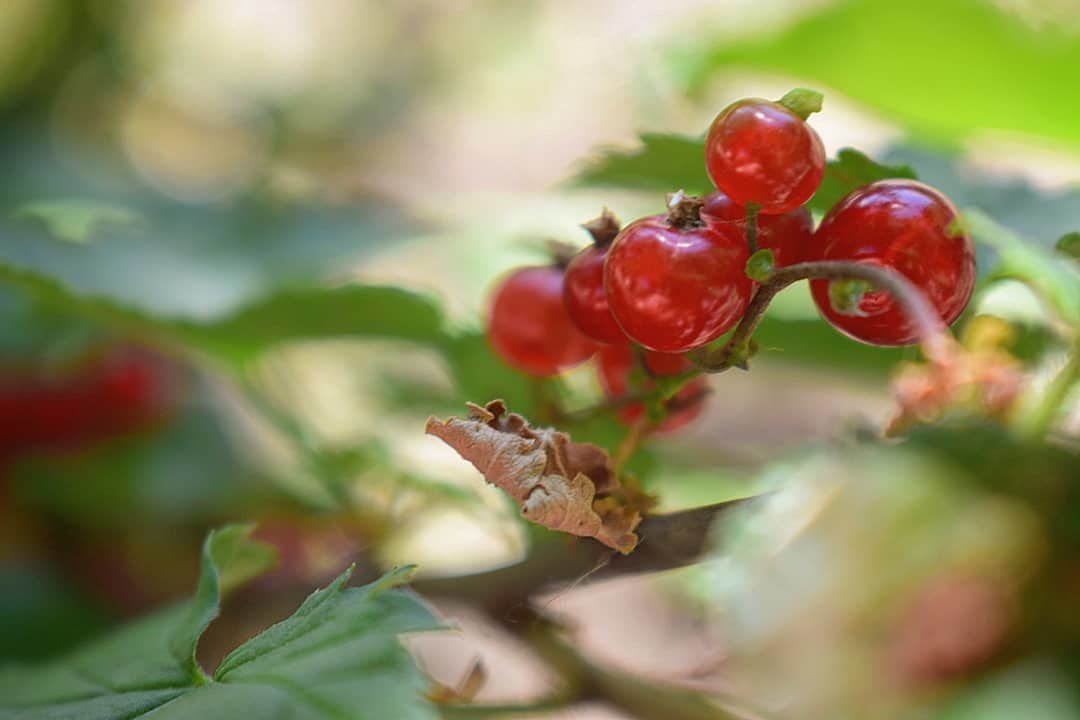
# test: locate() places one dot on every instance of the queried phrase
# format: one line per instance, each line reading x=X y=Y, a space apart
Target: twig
x=937 y=344
x=667 y=541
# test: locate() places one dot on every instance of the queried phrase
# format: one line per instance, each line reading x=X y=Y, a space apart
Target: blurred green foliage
x=944 y=69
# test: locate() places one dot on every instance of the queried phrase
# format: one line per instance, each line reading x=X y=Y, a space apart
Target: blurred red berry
x=529 y=326
x=617 y=365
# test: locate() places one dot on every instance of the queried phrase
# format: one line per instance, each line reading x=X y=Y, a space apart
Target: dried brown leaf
x=558 y=483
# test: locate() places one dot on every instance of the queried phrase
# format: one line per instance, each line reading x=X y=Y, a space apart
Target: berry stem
x=751 y=227
x=937 y=344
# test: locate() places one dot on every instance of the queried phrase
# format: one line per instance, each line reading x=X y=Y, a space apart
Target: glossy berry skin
x=790 y=236
x=760 y=152
x=616 y=368
x=904 y=225
x=586 y=299
x=673 y=289
x=529 y=327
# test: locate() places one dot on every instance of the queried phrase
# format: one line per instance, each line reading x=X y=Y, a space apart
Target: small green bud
x=802 y=102
x=845 y=295
x=761 y=265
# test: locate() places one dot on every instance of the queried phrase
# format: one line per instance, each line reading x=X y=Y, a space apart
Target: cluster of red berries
x=674 y=282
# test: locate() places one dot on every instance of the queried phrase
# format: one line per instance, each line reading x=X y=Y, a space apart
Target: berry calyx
x=761 y=153
x=528 y=326
x=583 y=291
x=909 y=227
x=675 y=282
x=616 y=371
x=789 y=235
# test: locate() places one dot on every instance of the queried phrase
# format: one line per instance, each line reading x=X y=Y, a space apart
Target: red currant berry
x=585 y=298
x=676 y=283
x=759 y=152
x=583 y=291
x=617 y=366
x=906 y=226
x=790 y=236
x=529 y=327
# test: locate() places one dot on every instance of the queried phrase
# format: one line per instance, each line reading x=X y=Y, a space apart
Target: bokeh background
x=192 y=180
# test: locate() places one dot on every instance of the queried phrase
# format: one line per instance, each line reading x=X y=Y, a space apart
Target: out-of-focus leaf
x=664 y=163
x=360 y=311
x=75 y=220
x=816 y=343
x=850 y=170
x=179 y=259
x=1069 y=245
x=1038 y=215
x=41 y=613
x=1032 y=690
x=479 y=373
x=337 y=657
x=943 y=68
x=295 y=314
x=1053 y=277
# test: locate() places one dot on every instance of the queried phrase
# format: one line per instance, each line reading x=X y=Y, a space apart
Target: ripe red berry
x=529 y=327
x=676 y=284
x=907 y=226
x=583 y=291
x=790 y=236
x=759 y=152
x=617 y=366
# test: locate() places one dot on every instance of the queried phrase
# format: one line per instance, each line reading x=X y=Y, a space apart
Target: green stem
x=752 y=227
x=1048 y=410
x=920 y=312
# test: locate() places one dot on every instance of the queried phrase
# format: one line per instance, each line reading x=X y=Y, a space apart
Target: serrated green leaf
x=664 y=163
x=943 y=68
x=229 y=558
x=137 y=667
x=337 y=657
x=289 y=315
x=850 y=170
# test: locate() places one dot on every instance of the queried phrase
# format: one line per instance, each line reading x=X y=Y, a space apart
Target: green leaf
x=943 y=68
x=664 y=163
x=669 y=162
x=850 y=170
x=365 y=311
x=75 y=220
x=337 y=657
x=481 y=376
x=1037 y=214
x=360 y=311
x=1053 y=277
x=1069 y=245
x=229 y=559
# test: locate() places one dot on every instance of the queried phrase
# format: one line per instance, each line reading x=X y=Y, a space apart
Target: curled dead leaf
x=558 y=483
